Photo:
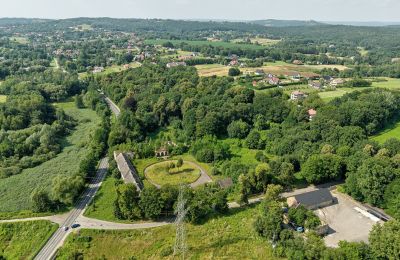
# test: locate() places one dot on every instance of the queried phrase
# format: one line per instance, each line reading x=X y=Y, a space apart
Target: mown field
x=3 y=98
x=229 y=45
x=160 y=174
x=389 y=83
x=15 y=190
x=225 y=237
x=22 y=240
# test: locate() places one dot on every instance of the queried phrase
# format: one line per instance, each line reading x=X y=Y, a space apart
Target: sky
x=320 y=10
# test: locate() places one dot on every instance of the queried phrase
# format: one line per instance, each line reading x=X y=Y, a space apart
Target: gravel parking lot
x=347 y=220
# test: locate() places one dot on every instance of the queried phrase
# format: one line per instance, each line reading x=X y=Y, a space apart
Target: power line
x=180 y=240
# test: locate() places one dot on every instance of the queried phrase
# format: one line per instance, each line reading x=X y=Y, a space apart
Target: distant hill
x=20 y=21
x=286 y=23
x=370 y=24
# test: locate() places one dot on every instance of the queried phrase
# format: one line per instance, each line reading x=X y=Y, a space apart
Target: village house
x=259 y=72
x=297 y=62
x=176 y=64
x=311 y=114
x=337 y=82
x=297 y=95
x=295 y=76
x=98 y=69
x=316 y=85
x=274 y=81
x=233 y=63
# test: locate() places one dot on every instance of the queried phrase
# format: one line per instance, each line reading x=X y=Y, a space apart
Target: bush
x=234 y=72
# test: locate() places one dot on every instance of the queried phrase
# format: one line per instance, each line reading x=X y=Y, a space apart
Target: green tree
x=384 y=240
x=126 y=205
x=151 y=202
x=234 y=72
x=323 y=167
x=79 y=101
x=238 y=129
x=67 y=189
x=41 y=201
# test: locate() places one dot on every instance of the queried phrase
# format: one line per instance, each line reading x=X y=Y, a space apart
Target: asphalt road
x=56 y=241
x=114 y=108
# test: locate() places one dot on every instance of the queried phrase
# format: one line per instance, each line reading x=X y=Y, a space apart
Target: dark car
x=75 y=225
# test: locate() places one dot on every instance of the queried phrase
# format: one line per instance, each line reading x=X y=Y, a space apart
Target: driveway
x=348 y=220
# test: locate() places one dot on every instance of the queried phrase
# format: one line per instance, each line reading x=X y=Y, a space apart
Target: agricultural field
x=15 y=190
x=160 y=174
x=3 y=98
x=229 y=45
x=20 y=40
x=277 y=68
x=22 y=240
x=226 y=237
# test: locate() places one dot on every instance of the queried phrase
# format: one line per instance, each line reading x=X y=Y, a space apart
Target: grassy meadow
x=23 y=240
x=102 y=206
x=15 y=190
x=224 y=237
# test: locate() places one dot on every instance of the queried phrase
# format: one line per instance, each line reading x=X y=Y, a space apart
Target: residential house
x=297 y=62
x=274 y=81
x=337 y=82
x=311 y=114
x=259 y=72
x=297 y=95
x=176 y=64
x=98 y=69
x=315 y=84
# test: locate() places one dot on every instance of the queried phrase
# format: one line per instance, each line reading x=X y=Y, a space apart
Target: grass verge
x=23 y=240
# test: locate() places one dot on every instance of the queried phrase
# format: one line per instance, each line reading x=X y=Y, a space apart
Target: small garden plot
x=170 y=172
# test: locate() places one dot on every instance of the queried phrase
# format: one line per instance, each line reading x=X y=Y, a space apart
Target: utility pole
x=180 y=240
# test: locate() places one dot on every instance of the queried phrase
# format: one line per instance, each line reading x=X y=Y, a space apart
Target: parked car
x=65 y=228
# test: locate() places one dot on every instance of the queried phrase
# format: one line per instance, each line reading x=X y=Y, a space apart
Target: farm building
x=312 y=200
x=127 y=170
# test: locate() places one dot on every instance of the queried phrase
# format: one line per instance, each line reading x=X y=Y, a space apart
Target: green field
x=229 y=45
x=102 y=205
x=245 y=155
x=160 y=175
x=3 y=98
x=392 y=131
x=226 y=237
x=389 y=83
x=15 y=190
x=23 y=240
x=20 y=40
